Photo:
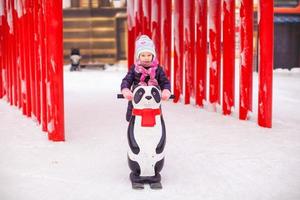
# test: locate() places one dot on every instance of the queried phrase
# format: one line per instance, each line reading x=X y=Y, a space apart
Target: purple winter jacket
x=132 y=78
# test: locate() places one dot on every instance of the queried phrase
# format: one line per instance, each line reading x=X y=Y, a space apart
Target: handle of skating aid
x=120 y=96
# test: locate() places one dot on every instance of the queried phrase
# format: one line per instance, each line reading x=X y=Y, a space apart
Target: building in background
x=287 y=34
x=97 y=28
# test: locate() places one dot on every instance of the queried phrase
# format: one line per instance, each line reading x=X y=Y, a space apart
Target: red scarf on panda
x=148 y=116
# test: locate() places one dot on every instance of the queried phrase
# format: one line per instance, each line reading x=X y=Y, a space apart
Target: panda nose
x=148 y=97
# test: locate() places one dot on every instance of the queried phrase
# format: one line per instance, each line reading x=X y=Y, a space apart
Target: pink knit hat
x=144 y=44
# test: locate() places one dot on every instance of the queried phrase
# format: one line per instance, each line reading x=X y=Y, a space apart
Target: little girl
x=145 y=71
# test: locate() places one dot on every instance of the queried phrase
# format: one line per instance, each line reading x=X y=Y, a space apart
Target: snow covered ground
x=208 y=156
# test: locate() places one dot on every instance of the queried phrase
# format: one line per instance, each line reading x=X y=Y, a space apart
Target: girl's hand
x=127 y=94
x=165 y=95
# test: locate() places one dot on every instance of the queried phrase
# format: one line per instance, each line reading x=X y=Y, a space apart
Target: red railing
x=201 y=51
x=246 y=61
x=265 y=68
x=31 y=68
x=191 y=35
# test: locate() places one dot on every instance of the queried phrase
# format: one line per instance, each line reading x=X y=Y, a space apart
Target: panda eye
x=140 y=93
x=154 y=93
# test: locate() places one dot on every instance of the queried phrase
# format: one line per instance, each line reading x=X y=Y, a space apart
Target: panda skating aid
x=146 y=138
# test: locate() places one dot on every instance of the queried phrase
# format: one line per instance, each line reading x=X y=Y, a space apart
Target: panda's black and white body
x=146 y=136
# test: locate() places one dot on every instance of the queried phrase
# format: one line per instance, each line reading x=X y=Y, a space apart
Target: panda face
x=146 y=97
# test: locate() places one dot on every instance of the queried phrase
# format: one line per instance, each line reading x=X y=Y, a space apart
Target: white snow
x=9 y=17
x=66 y=3
x=1 y=7
x=18 y=5
x=208 y=155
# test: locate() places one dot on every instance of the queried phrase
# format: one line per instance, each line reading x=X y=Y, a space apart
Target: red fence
x=192 y=78
x=31 y=68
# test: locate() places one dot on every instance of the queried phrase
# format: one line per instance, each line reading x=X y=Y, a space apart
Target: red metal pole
x=14 y=85
x=201 y=51
x=131 y=32
x=36 y=9
x=19 y=62
x=265 y=63
x=138 y=16
x=214 y=11
x=189 y=49
x=1 y=47
x=178 y=49
x=246 y=60
x=1 y=58
x=31 y=57
x=17 y=50
x=5 y=52
x=15 y=55
x=9 y=53
x=192 y=48
x=9 y=68
x=146 y=7
x=16 y=61
x=42 y=24
x=228 y=55
x=55 y=69
x=166 y=25
x=48 y=91
x=22 y=50
x=155 y=26
x=5 y=70
x=27 y=60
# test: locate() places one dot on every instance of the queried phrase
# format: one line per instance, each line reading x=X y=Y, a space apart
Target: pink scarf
x=139 y=68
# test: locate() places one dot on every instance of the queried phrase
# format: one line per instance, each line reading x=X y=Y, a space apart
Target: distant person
x=145 y=71
x=75 y=59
